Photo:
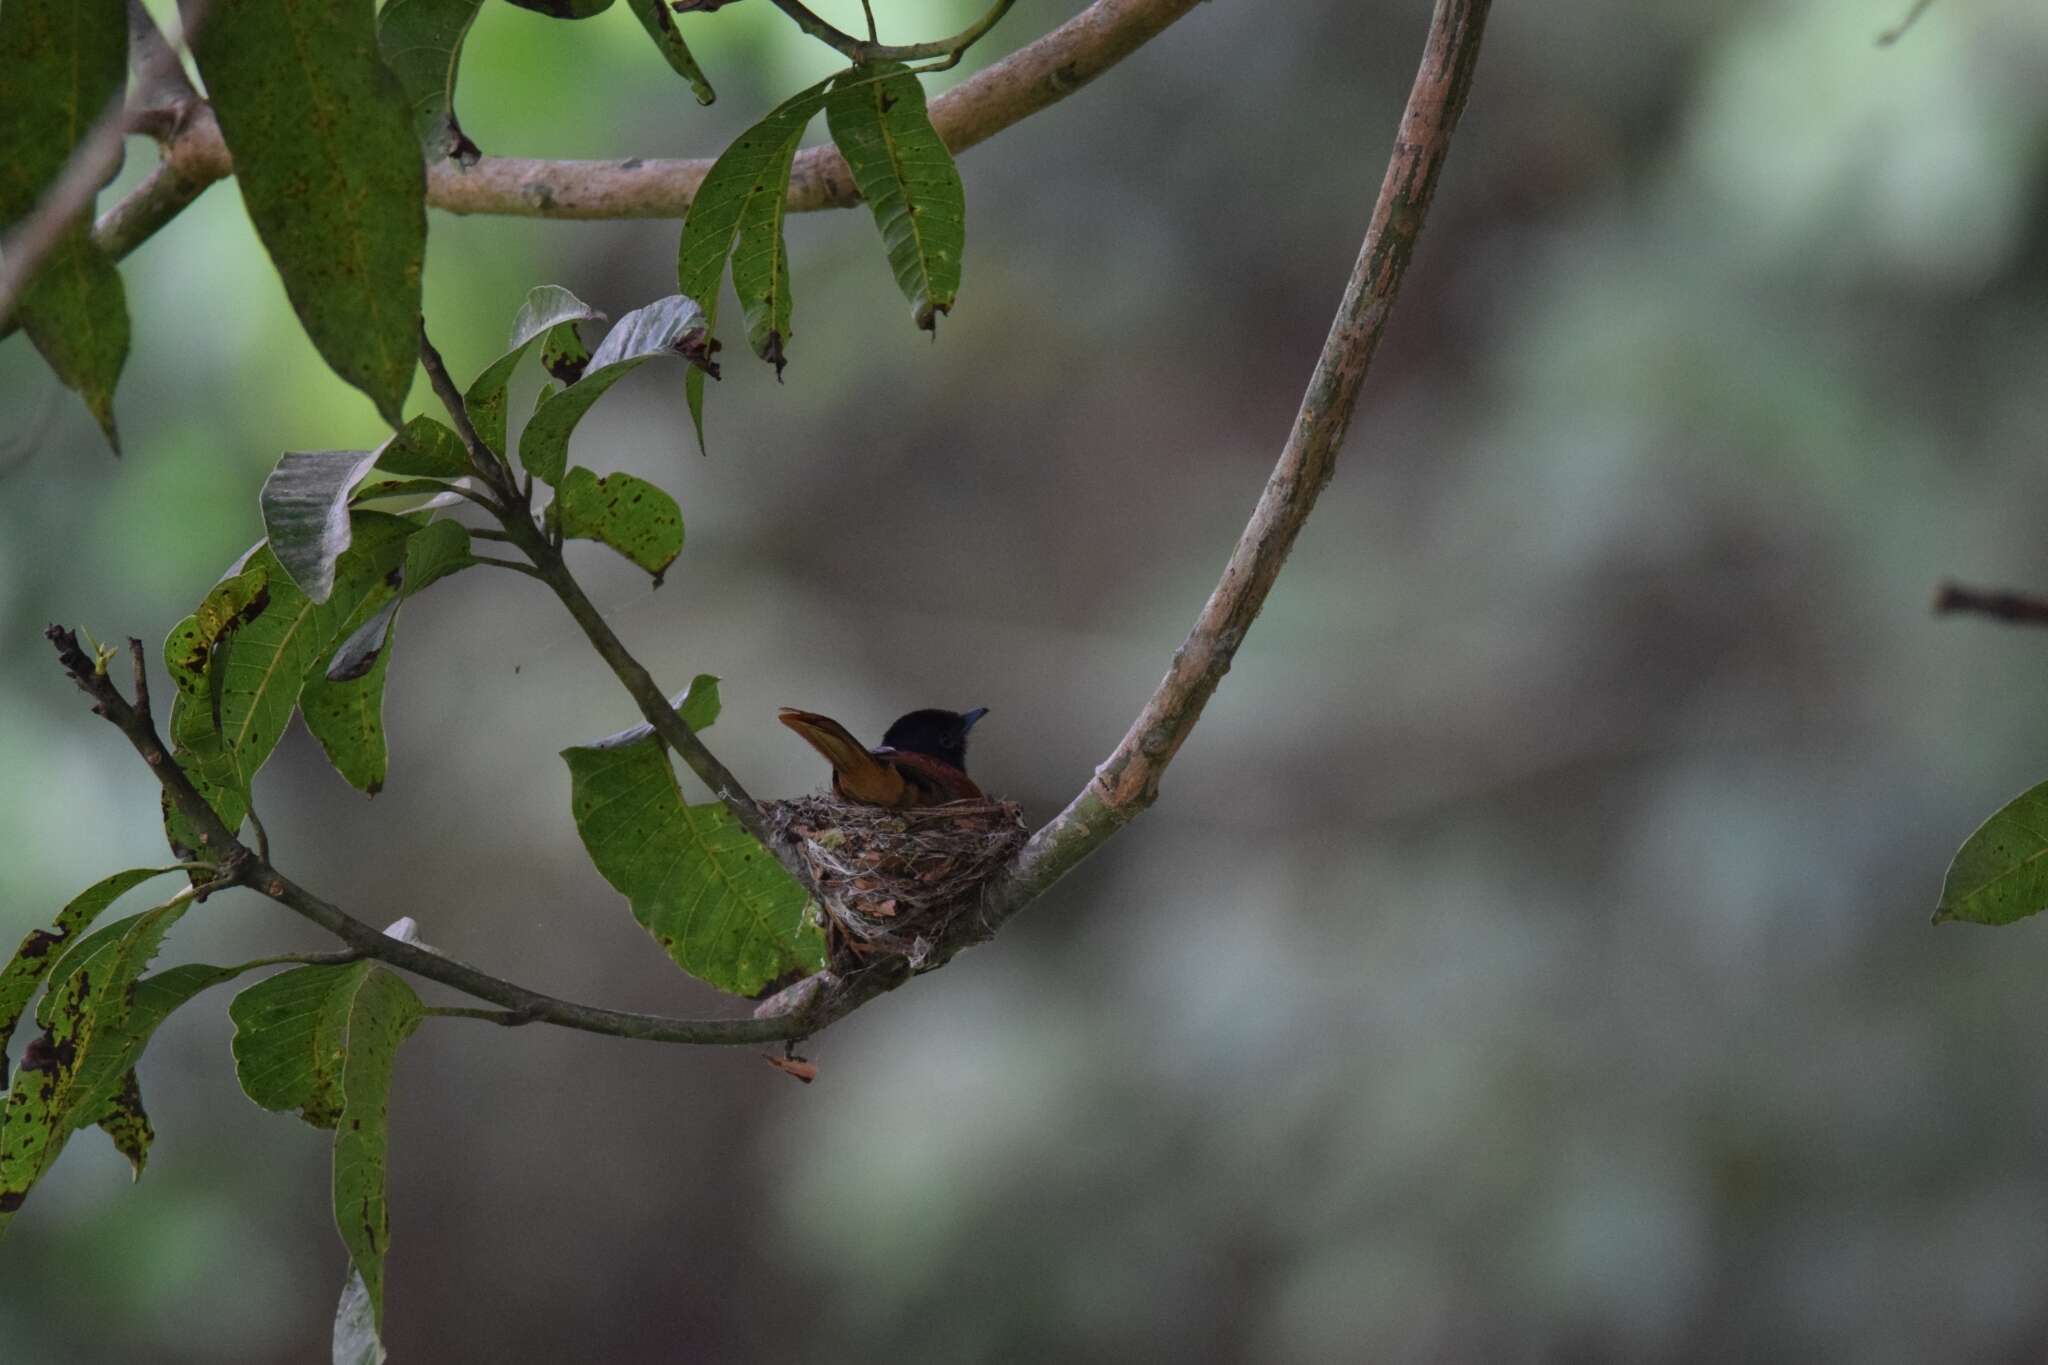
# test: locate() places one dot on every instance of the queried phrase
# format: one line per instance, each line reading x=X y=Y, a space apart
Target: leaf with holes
x=748 y=183
x=629 y=514
x=547 y=307
x=126 y=1123
x=331 y=174
x=62 y=64
x=904 y=171
x=654 y=16
x=716 y=901
x=2000 y=874
x=421 y=41
x=673 y=326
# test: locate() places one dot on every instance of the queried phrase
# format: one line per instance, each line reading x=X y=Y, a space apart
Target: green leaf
x=671 y=326
x=700 y=706
x=43 y=948
x=904 y=171
x=439 y=549
x=381 y=1016
x=99 y=1022
x=321 y=1041
x=235 y=699
x=629 y=514
x=126 y=1122
x=305 y=513
x=424 y=448
x=421 y=41
x=356 y=1339
x=749 y=182
x=62 y=63
x=654 y=16
x=565 y=9
x=331 y=174
x=547 y=307
x=717 y=901
x=346 y=715
x=343 y=696
x=2000 y=874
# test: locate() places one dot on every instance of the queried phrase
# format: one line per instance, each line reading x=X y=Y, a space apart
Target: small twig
x=854 y=50
x=2001 y=604
x=507 y=1018
x=514 y=565
x=141 y=659
x=488 y=464
x=339 y=958
x=1898 y=30
x=262 y=835
x=867 y=8
x=543 y=549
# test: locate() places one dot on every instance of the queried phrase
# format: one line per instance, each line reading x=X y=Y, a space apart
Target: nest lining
x=893 y=880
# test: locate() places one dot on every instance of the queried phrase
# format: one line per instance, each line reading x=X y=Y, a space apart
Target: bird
x=922 y=760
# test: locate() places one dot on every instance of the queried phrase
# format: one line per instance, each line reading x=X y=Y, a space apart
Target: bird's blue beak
x=967 y=718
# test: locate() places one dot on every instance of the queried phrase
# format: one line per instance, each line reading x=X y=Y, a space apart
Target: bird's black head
x=935 y=734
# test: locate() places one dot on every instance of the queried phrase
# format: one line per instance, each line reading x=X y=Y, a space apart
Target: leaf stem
x=861 y=53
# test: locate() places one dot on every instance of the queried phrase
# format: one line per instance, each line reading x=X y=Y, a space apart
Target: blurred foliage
x=1529 y=957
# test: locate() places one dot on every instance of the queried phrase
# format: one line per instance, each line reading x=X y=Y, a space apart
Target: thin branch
x=867 y=9
x=1898 y=30
x=240 y=866
x=341 y=957
x=1128 y=780
x=545 y=554
x=488 y=464
x=514 y=565
x=854 y=50
x=2013 y=608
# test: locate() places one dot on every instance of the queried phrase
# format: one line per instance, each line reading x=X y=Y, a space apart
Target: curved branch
x=1128 y=780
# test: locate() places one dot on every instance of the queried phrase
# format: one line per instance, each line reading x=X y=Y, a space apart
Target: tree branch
x=2013 y=608
x=1033 y=78
x=1127 y=782
x=239 y=865
x=550 y=568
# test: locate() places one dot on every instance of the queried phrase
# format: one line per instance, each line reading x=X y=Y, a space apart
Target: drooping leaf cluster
x=333 y=113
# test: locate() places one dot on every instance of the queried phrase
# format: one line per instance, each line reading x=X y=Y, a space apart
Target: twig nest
x=893 y=880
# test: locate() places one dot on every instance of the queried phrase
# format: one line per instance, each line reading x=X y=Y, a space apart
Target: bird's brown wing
x=857 y=775
x=928 y=781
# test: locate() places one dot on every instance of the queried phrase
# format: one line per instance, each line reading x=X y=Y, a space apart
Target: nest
x=892 y=881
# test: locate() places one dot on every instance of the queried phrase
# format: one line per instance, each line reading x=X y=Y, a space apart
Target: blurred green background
x=1529 y=958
